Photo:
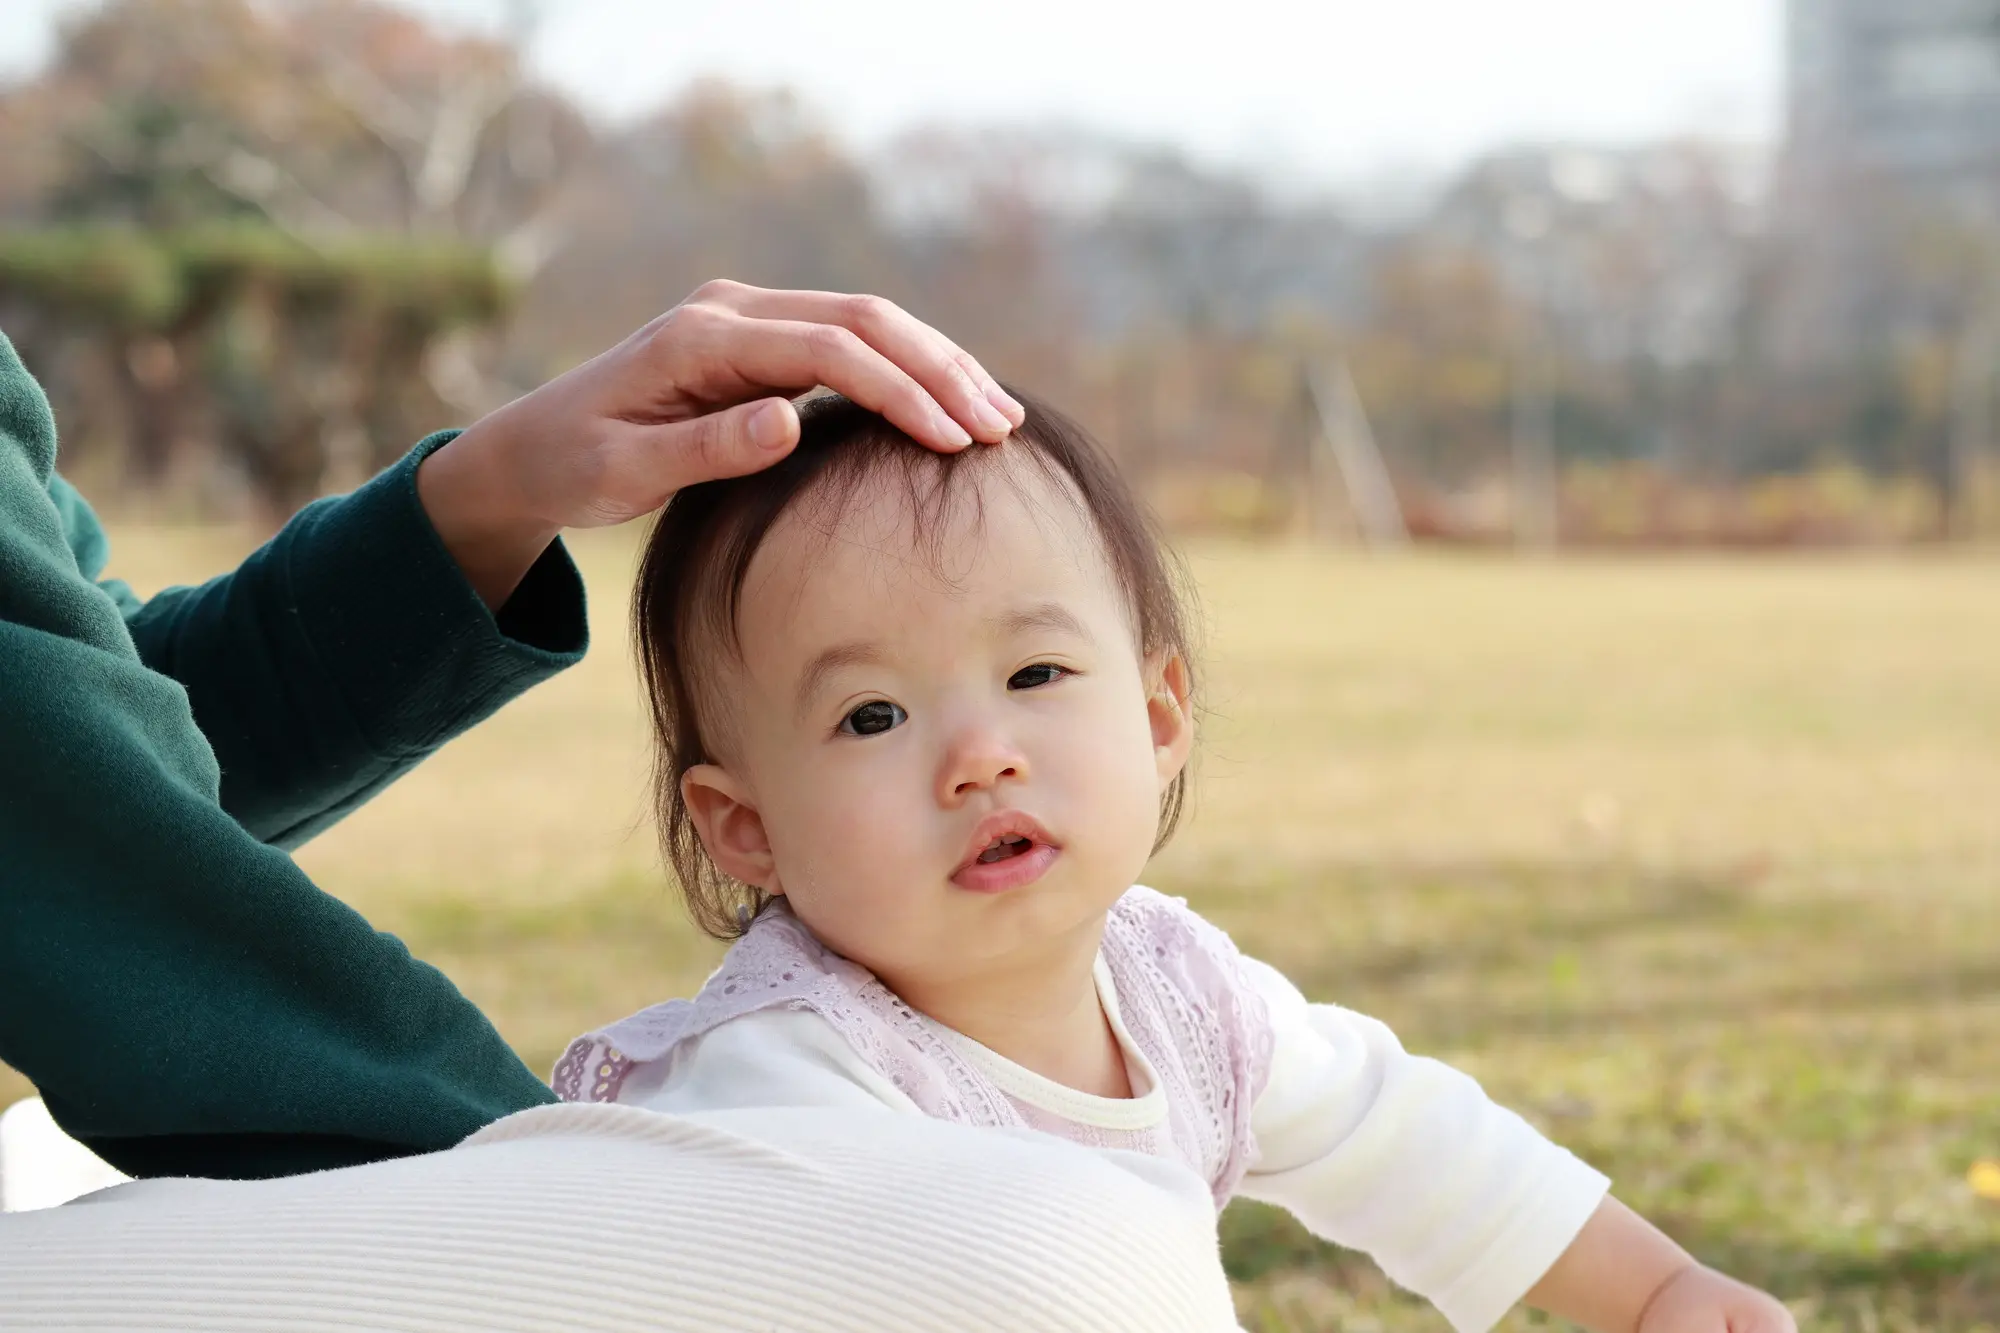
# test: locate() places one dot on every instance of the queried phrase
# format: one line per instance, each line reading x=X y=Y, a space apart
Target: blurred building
x=1902 y=92
x=1889 y=193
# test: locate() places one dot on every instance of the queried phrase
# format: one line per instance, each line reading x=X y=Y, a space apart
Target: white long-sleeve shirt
x=1402 y=1157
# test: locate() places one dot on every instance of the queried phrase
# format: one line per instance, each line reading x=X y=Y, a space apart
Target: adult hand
x=701 y=392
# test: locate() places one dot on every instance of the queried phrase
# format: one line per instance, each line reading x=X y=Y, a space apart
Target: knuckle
x=831 y=342
x=718 y=291
x=691 y=320
x=868 y=314
x=966 y=382
x=710 y=442
x=915 y=403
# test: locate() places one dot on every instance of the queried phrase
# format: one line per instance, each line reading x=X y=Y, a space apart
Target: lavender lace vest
x=1182 y=995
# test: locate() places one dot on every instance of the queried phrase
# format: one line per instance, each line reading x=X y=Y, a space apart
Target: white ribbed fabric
x=40 y=1166
x=608 y=1217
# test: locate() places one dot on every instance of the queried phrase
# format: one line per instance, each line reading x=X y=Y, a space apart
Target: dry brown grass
x=1697 y=861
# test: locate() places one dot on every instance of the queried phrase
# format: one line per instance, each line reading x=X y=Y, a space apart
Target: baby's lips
x=1004 y=824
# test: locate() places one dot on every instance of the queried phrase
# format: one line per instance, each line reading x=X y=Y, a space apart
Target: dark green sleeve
x=184 y=998
x=348 y=649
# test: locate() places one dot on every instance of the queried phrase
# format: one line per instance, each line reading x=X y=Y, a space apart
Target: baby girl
x=922 y=720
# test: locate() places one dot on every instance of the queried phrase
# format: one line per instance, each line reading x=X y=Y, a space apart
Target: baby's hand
x=1701 y=1300
x=1622 y=1274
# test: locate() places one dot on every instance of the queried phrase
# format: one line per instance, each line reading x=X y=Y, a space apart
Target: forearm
x=183 y=996
x=1613 y=1270
x=348 y=648
x=493 y=534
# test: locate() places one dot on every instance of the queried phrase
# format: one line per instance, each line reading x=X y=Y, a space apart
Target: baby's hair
x=690 y=585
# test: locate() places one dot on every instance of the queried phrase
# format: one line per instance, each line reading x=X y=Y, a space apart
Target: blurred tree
x=296 y=358
x=1432 y=361
x=324 y=117
x=252 y=141
x=721 y=183
x=1169 y=301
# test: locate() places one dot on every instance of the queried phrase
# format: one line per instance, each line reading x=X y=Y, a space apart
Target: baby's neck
x=1045 y=1016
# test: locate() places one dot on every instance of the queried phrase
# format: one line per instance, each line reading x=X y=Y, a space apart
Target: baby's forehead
x=979 y=530
x=900 y=558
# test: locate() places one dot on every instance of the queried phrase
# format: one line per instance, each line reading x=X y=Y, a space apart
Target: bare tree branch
x=285 y=199
x=466 y=106
x=379 y=108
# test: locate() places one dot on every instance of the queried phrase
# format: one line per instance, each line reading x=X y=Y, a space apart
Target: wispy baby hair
x=690 y=586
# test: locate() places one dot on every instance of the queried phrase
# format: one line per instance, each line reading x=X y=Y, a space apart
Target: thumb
x=737 y=440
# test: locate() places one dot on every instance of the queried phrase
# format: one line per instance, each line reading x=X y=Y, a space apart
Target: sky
x=1309 y=92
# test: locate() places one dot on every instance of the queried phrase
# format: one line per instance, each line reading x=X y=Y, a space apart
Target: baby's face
x=946 y=776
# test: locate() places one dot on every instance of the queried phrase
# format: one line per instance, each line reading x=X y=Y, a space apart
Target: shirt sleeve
x=185 y=998
x=773 y=1057
x=346 y=650
x=1406 y=1159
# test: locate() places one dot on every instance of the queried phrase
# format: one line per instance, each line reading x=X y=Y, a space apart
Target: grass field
x=1697 y=862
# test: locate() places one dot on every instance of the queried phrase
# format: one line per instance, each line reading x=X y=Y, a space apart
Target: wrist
x=467 y=491
x=1614 y=1274
x=1674 y=1278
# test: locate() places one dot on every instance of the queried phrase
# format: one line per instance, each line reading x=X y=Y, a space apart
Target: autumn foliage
x=255 y=248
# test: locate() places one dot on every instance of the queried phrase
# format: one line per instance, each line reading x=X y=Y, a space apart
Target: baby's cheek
x=1121 y=794
x=844 y=836
x=856 y=854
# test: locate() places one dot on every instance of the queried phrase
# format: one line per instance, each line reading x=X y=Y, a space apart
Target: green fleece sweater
x=185 y=999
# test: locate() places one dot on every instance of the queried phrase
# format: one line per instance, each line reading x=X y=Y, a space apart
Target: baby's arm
x=1623 y=1273
x=1459 y=1199
x=1406 y=1159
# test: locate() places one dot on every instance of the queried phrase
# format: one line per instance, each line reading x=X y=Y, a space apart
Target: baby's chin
x=950 y=927
x=1056 y=908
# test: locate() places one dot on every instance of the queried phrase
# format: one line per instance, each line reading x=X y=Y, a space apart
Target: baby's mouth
x=1005 y=848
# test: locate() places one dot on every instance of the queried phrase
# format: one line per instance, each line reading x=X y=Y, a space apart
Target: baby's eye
x=872 y=719
x=1041 y=673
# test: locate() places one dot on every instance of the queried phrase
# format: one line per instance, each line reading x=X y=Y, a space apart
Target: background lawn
x=1695 y=861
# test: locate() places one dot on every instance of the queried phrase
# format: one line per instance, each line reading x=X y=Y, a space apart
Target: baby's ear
x=729 y=826
x=1170 y=710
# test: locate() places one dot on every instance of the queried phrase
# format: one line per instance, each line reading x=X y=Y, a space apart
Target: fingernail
x=990 y=416
x=768 y=426
x=948 y=430
x=1013 y=411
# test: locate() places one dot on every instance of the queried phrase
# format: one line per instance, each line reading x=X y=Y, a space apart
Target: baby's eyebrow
x=1044 y=615
x=837 y=658
x=1040 y=616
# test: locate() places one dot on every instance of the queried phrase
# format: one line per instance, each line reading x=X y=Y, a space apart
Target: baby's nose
x=979 y=761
